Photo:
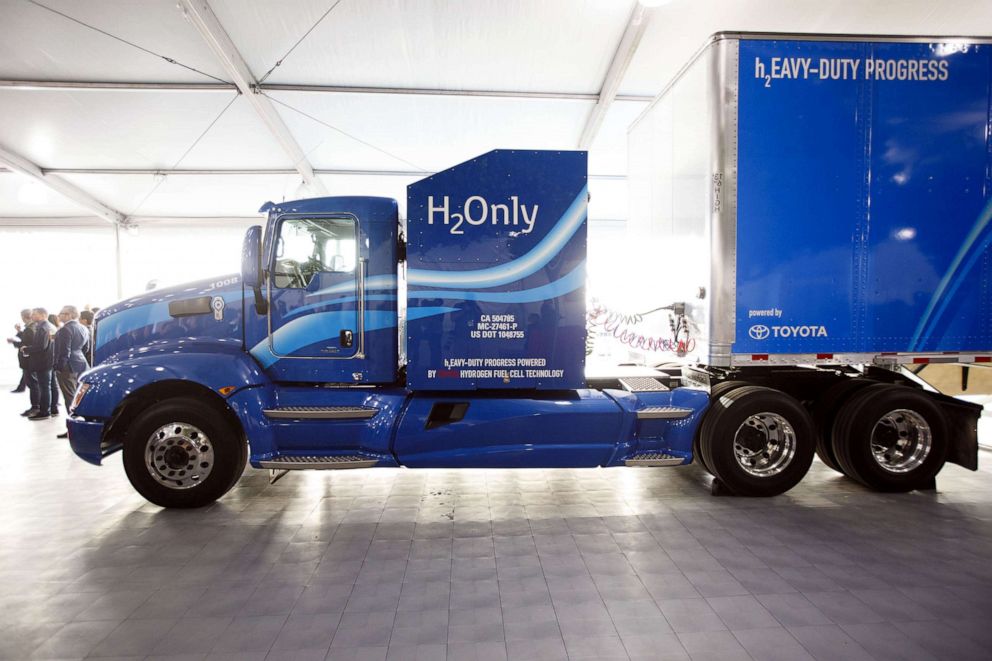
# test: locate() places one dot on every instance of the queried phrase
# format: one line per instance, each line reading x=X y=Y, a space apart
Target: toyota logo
x=758 y=332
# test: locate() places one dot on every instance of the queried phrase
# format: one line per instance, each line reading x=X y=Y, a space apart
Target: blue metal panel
x=568 y=429
x=372 y=436
x=306 y=323
x=214 y=364
x=145 y=319
x=929 y=230
x=496 y=256
x=85 y=438
x=670 y=436
x=800 y=203
x=864 y=203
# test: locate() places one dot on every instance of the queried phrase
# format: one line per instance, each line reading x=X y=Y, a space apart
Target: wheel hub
x=764 y=444
x=176 y=457
x=179 y=455
x=901 y=441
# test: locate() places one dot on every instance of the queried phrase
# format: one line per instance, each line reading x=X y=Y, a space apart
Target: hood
x=204 y=310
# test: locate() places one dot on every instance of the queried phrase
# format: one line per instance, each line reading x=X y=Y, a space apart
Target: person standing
x=54 y=323
x=70 y=361
x=22 y=337
x=41 y=358
x=86 y=319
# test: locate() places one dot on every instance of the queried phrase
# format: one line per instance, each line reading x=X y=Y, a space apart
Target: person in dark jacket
x=41 y=359
x=22 y=337
x=70 y=360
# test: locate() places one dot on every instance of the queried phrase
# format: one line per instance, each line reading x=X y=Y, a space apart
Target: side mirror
x=251 y=266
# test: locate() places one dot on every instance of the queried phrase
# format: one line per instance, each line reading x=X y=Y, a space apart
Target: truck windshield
x=308 y=246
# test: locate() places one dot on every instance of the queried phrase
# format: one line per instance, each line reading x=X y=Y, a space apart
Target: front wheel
x=757 y=441
x=180 y=453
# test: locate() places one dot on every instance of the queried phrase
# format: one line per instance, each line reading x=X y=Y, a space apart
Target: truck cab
x=346 y=342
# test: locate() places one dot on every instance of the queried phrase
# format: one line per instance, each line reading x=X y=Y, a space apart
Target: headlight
x=80 y=393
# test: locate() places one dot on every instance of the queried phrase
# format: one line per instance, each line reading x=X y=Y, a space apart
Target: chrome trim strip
x=653 y=459
x=723 y=100
x=318 y=463
x=360 y=353
x=826 y=36
x=642 y=384
x=320 y=413
x=663 y=413
x=882 y=359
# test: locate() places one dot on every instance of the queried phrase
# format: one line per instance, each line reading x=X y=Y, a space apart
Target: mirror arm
x=261 y=305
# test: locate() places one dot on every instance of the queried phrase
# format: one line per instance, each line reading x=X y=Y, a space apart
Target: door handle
x=347 y=339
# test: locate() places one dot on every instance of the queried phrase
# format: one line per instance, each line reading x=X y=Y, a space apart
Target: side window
x=308 y=246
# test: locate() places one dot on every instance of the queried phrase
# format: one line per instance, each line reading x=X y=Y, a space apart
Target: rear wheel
x=891 y=438
x=181 y=453
x=757 y=441
x=716 y=392
x=824 y=412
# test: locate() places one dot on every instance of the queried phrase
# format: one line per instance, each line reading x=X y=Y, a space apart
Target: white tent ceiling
x=451 y=79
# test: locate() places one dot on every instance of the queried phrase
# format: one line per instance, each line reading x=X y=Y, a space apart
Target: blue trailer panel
x=863 y=198
x=848 y=188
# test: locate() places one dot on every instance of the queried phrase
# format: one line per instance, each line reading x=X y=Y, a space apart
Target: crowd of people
x=52 y=351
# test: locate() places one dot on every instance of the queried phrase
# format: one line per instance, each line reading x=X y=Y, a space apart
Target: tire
x=742 y=422
x=167 y=461
x=824 y=412
x=715 y=393
x=891 y=438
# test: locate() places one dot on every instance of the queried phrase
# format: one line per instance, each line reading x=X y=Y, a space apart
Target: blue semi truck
x=816 y=212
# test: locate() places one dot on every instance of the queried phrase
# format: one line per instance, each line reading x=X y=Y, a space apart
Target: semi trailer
x=816 y=214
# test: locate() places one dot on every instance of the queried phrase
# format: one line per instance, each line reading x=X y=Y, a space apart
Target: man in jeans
x=41 y=358
x=70 y=359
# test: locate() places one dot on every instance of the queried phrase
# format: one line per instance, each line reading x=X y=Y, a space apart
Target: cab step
x=654 y=459
x=663 y=412
x=321 y=413
x=318 y=462
x=643 y=384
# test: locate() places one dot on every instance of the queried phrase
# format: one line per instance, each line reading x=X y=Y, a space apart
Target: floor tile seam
x=499 y=596
x=733 y=632
x=603 y=602
x=231 y=624
x=812 y=605
x=92 y=647
x=760 y=605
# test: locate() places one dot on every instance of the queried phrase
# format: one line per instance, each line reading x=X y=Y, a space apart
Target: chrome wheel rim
x=179 y=455
x=901 y=441
x=764 y=444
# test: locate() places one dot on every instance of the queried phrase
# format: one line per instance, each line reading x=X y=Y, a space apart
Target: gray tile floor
x=485 y=564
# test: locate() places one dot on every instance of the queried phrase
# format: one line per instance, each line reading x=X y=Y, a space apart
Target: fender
x=196 y=365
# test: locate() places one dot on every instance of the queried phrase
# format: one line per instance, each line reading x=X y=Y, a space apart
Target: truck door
x=317 y=260
x=330 y=288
